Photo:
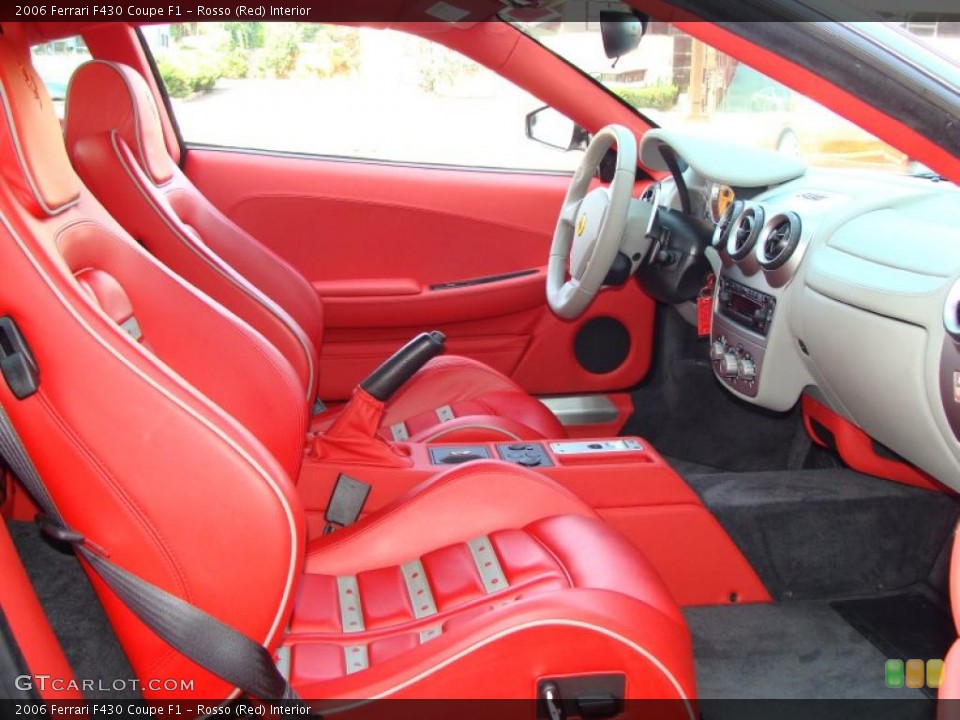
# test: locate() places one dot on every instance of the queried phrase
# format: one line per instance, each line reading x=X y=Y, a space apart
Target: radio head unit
x=745 y=306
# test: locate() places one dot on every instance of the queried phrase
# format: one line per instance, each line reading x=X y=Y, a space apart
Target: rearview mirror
x=621 y=32
x=553 y=128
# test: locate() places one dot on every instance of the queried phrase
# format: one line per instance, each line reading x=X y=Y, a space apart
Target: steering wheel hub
x=591 y=225
x=593 y=210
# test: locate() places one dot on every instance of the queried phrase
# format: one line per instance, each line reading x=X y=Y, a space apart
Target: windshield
x=682 y=84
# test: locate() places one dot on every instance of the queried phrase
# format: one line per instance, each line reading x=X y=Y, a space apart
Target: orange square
x=934 y=673
x=915 y=673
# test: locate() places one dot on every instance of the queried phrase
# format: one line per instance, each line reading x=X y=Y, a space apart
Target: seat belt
x=214 y=646
x=346 y=503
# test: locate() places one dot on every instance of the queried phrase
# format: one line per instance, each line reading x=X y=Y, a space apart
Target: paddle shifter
x=383 y=382
x=353 y=437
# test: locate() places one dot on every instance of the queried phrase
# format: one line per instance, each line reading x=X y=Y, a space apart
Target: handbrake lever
x=383 y=382
x=353 y=438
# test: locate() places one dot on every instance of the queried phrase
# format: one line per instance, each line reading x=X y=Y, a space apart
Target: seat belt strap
x=202 y=638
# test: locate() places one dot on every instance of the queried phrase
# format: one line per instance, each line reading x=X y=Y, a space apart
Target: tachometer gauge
x=721 y=198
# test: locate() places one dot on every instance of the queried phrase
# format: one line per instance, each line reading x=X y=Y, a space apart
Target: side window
x=344 y=91
x=55 y=63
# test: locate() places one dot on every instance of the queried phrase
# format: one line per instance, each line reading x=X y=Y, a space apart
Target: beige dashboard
x=844 y=285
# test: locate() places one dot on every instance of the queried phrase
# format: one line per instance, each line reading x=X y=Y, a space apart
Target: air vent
x=743 y=235
x=722 y=232
x=780 y=240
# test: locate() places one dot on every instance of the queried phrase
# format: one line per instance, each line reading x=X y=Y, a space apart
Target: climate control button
x=729 y=365
x=746 y=369
x=718 y=350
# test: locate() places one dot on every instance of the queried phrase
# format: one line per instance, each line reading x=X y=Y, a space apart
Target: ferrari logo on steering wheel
x=581 y=224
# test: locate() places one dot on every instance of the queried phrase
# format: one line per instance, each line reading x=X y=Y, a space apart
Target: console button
x=718 y=350
x=526 y=454
x=729 y=365
x=746 y=369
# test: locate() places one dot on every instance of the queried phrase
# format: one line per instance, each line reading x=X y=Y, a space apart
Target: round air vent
x=780 y=240
x=722 y=232
x=743 y=234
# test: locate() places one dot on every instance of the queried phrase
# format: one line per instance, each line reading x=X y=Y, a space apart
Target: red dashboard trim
x=856 y=448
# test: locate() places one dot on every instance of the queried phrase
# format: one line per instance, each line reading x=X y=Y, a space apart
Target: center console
x=760 y=245
x=530 y=454
x=741 y=322
x=623 y=479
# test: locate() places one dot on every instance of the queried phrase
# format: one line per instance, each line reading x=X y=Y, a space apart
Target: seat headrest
x=110 y=97
x=33 y=158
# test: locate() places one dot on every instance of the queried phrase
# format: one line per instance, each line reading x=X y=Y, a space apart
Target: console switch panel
x=527 y=454
x=456 y=454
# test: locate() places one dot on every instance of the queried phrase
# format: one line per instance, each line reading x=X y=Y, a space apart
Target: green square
x=893 y=673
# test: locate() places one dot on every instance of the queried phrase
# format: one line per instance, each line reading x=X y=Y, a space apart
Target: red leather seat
x=168 y=431
x=116 y=143
x=541 y=586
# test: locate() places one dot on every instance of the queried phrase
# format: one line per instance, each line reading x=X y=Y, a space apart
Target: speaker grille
x=602 y=345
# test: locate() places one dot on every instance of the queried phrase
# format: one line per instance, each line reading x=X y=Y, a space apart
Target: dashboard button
x=729 y=365
x=718 y=350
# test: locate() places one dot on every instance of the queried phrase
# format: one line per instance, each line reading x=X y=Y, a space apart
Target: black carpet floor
x=905 y=625
x=832 y=533
x=73 y=609
x=856 y=565
x=685 y=413
x=793 y=650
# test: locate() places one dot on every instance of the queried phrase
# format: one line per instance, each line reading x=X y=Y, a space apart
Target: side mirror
x=621 y=32
x=554 y=129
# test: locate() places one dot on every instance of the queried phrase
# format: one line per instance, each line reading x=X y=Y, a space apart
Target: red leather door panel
x=373 y=238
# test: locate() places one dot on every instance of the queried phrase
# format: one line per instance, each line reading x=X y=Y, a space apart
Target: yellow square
x=934 y=673
x=915 y=673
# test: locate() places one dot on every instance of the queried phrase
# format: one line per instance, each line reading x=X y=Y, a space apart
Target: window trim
x=295 y=155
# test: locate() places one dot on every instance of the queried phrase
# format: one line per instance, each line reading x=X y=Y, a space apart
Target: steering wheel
x=591 y=225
